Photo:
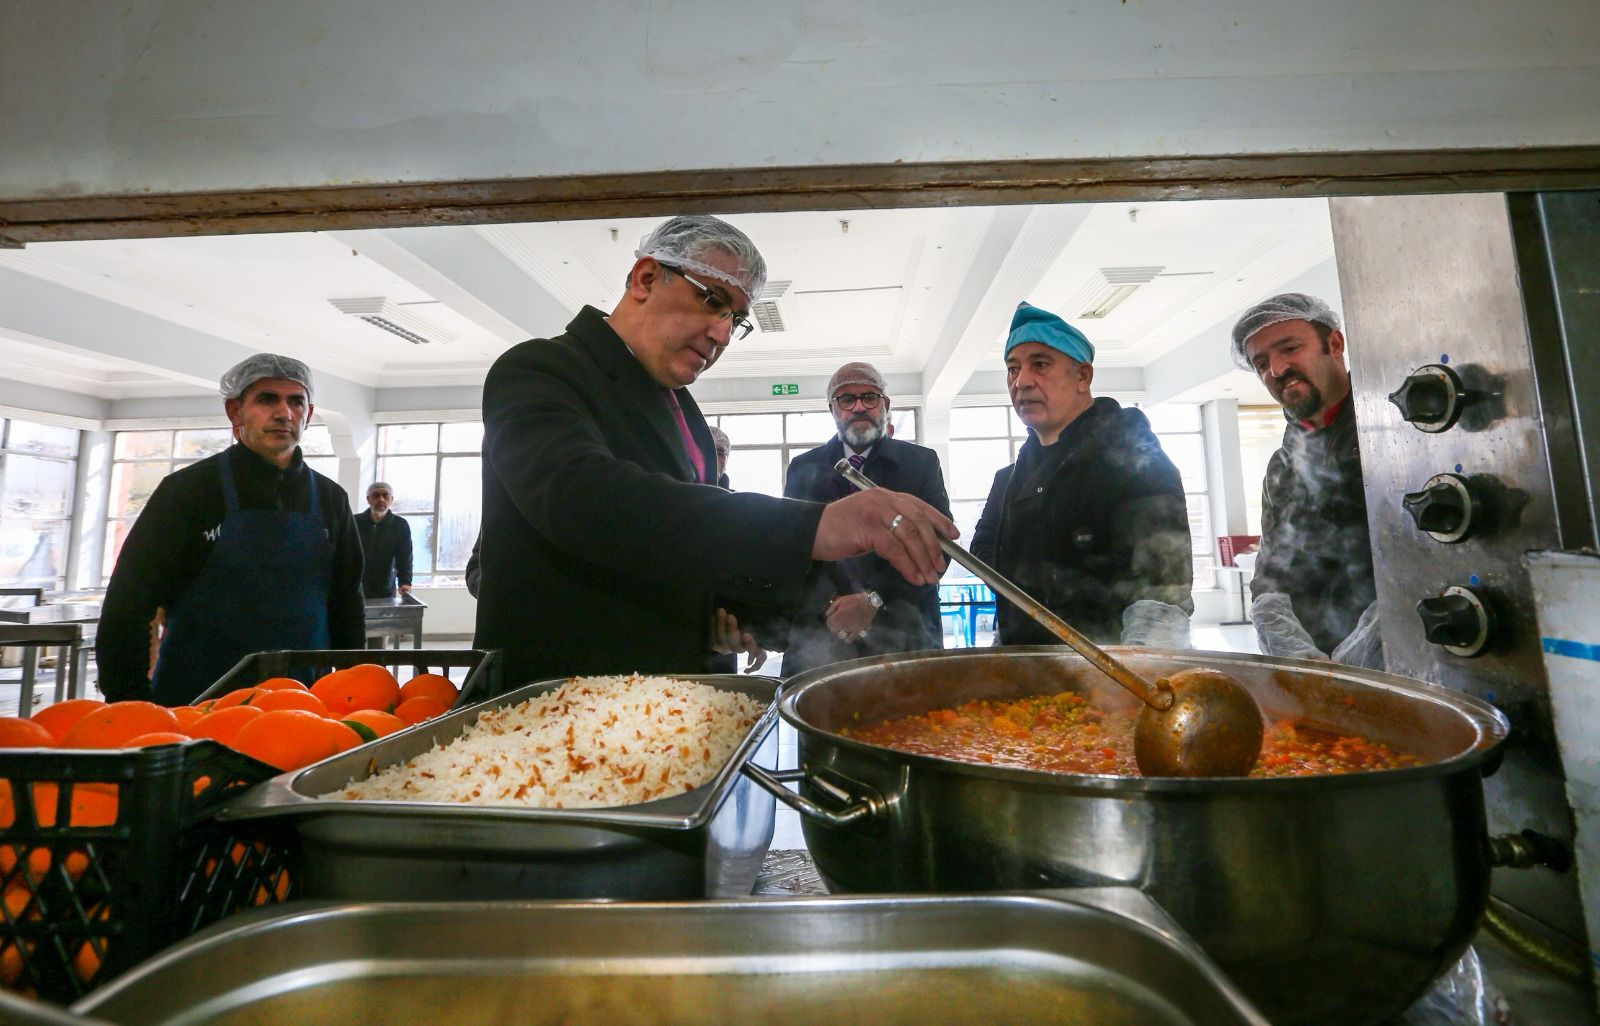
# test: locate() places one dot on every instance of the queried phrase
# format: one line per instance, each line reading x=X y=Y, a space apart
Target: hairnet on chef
x=720 y=440
x=379 y=486
x=252 y=369
x=857 y=373
x=1288 y=306
x=1035 y=324
x=684 y=241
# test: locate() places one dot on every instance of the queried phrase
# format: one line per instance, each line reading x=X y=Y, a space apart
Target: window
x=140 y=459
x=1260 y=435
x=38 y=469
x=1182 y=436
x=764 y=443
x=436 y=471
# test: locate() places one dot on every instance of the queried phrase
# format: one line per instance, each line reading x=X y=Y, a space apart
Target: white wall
x=178 y=95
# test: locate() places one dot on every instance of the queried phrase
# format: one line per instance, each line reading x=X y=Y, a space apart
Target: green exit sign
x=785 y=389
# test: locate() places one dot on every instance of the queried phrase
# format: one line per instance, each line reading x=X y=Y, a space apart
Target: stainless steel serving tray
x=1093 y=957
x=705 y=842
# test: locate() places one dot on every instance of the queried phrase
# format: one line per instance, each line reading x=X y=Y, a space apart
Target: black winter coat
x=1105 y=527
x=909 y=619
x=1315 y=545
x=601 y=554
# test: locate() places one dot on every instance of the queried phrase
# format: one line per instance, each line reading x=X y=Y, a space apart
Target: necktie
x=696 y=457
x=857 y=461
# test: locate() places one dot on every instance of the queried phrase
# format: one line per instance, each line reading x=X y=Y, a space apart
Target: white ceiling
x=914 y=291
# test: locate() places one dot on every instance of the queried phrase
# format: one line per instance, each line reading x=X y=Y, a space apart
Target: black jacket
x=600 y=553
x=172 y=539
x=909 y=619
x=386 y=545
x=1100 y=526
x=1315 y=545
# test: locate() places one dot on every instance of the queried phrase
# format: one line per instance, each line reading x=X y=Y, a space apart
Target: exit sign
x=785 y=389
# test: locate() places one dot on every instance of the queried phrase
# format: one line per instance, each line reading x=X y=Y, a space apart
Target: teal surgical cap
x=1031 y=324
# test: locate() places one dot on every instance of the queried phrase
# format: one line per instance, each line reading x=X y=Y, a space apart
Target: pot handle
x=859 y=806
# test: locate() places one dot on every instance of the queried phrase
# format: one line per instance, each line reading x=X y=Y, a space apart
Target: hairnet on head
x=1288 y=306
x=379 y=486
x=1035 y=324
x=857 y=374
x=252 y=369
x=720 y=440
x=683 y=242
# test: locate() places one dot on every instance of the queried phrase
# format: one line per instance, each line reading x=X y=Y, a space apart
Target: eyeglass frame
x=718 y=306
x=849 y=399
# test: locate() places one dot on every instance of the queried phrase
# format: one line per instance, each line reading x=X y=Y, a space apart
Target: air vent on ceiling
x=765 y=309
x=1116 y=284
x=395 y=319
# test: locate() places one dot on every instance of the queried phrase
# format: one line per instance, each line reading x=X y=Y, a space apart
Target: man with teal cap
x=1091 y=519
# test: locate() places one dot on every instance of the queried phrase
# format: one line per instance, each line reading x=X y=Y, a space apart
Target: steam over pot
x=1327 y=899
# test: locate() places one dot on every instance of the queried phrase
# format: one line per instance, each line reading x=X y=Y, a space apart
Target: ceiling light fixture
x=765 y=309
x=1115 y=286
x=395 y=319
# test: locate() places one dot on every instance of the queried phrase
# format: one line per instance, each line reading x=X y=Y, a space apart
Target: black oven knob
x=1431 y=398
x=1445 y=508
x=1455 y=619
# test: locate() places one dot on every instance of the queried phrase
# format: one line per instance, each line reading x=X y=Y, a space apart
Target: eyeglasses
x=868 y=400
x=720 y=307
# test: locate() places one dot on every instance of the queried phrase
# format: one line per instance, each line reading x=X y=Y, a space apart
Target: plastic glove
x=1159 y=624
x=1463 y=996
x=1279 y=631
x=1364 y=646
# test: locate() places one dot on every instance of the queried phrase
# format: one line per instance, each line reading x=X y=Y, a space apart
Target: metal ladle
x=1195 y=723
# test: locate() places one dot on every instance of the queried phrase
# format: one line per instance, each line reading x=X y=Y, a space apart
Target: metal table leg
x=30 y=668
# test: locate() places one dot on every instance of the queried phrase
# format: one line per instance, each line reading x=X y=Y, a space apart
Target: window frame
x=65 y=521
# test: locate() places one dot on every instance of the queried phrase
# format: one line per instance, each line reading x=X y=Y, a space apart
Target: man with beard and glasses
x=1313 y=589
x=607 y=548
x=1091 y=519
x=862 y=606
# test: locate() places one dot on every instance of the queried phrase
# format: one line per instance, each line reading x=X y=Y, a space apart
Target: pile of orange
x=279 y=721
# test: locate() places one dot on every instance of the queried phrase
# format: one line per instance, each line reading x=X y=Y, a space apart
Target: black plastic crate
x=481 y=681
x=109 y=856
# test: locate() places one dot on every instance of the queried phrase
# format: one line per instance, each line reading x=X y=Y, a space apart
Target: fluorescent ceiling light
x=395 y=319
x=1116 y=284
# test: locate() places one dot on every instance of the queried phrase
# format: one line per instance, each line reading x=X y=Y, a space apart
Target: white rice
x=593 y=742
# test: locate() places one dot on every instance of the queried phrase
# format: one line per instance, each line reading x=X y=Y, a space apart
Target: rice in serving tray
x=593 y=742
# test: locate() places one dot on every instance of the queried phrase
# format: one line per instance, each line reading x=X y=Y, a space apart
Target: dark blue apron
x=264 y=587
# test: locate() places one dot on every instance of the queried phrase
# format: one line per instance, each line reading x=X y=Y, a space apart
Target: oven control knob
x=1431 y=398
x=1457 y=620
x=1446 y=508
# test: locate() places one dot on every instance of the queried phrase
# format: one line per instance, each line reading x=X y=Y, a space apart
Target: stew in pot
x=1064 y=734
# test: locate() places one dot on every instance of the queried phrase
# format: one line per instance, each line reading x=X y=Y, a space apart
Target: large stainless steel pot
x=1327 y=899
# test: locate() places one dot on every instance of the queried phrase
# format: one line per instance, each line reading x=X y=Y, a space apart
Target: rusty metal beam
x=841 y=187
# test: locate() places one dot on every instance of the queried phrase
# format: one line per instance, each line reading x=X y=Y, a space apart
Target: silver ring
x=844 y=635
x=895 y=522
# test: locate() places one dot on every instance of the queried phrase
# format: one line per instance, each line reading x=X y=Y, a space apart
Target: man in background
x=386 y=544
x=1314 y=595
x=604 y=549
x=1090 y=519
x=862 y=606
x=244 y=551
x=721 y=442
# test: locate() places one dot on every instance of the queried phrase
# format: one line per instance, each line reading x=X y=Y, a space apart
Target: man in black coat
x=605 y=549
x=1314 y=594
x=1091 y=519
x=386 y=544
x=862 y=606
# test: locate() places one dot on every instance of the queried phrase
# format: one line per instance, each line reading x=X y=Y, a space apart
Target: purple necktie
x=857 y=461
x=696 y=457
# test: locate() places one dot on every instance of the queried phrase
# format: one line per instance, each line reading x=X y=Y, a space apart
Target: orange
x=381 y=724
x=344 y=735
x=16 y=732
x=60 y=717
x=280 y=684
x=287 y=738
x=187 y=715
x=287 y=699
x=157 y=737
x=429 y=684
x=416 y=710
x=87 y=960
x=240 y=696
x=367 y=686
x=223 y=724
x=111 y=725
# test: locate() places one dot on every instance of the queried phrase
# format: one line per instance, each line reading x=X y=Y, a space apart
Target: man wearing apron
x=245 y=551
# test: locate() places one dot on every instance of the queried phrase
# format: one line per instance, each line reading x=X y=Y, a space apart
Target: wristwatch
x=877 y=603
